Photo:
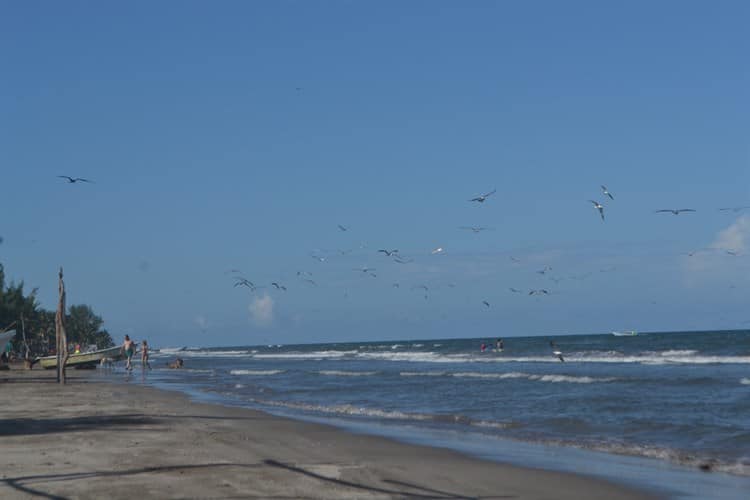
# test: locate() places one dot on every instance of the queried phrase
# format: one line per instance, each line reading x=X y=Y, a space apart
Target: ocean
x=669 y=411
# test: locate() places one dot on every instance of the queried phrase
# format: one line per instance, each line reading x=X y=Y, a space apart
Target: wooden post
x=60 y=335
x=26 y=359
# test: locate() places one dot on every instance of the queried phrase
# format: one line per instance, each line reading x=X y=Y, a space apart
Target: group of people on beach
x=128 y=349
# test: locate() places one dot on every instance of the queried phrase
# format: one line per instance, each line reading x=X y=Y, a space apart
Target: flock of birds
x=673 y=211
x=307 y=277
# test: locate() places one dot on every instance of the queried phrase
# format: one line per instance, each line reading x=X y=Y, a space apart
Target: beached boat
x=83 y=359
x=631 y=333
x=6 y=337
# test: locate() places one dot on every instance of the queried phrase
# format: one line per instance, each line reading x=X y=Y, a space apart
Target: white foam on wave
x=307 y=355
x=199 y=353
x=342 y=373
x=423 y=356
x=422 y=374
x=669 y=455
x=745 y=381
x=185 y=370
x=358 y=411
x=536 y=377
x=256 y=372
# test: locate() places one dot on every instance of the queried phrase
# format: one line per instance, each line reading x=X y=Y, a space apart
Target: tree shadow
x=17 y=483
x=31 y=426
x=429 y=493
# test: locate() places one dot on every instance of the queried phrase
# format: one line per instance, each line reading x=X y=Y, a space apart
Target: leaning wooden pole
x=60 y=335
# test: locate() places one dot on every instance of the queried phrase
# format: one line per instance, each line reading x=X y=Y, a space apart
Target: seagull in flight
x=474 y=229
x=343 y=228
x=538 y=292
x=389 y=252
x=733 y=209
x=556 y=351
x=311 y=282
x=674 y=211
x=421 y=286
x=402 y=261
x=73 y=180
x=364 y=269
x=318 y=258
x=607 y=193
x=437 y=250
x=543 y=271
x=483 y=197
x=599 y=207
x=279 y=287
x=246 y=282
x=486 y=303
x=517 y=261
x=515 y=290
x=304 y=273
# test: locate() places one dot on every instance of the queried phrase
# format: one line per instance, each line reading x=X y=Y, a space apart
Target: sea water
x=670 y=411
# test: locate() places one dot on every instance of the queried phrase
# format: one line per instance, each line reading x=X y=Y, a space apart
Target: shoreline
x=94 y=438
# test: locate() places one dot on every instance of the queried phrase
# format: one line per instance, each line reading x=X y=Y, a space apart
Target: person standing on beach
x=128 y=349
x=144 y=355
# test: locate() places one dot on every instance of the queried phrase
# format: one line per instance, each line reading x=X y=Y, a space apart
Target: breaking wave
x=256 y=372
x=541 y=378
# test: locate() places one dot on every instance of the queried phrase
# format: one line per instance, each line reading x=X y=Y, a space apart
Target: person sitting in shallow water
x=177 y=363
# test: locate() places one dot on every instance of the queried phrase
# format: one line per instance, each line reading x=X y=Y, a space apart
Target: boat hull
x=84 y=359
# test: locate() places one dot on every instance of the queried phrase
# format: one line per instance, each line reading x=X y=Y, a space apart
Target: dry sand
x=102 y=440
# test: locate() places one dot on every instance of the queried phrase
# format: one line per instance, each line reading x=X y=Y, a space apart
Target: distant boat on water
x=631 y=333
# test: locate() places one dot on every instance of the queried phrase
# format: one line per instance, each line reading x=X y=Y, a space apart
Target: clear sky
x=239 y=135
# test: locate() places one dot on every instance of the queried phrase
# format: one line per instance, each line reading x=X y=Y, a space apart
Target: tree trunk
x=60 y=335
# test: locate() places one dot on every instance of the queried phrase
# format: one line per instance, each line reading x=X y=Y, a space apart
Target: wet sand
x=97 y=439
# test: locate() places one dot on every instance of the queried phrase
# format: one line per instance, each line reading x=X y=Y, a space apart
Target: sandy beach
x=98 y=439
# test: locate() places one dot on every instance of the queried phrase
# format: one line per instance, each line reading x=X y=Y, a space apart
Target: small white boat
x=631 y=333
x=83 y=359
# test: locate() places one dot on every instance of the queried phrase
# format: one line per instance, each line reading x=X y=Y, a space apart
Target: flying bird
x=421 y=286
x=388 y=252
x=556 y=351
x=543 y=271
x=402 y=261
x=733 y=209
x=517 y=261
x=311 y=282
x=363 y=269
x=607 y=193
x=342 y=228
x=515 y=290
x=318 y=258
x=674 y=211
x=732 y=252
x=599 y=207
x=245 y=282
x=73 y=180
x=483 y=197
x=437 y=250
x=474 y=229
x=486 y=303
x=304 y=273
x=279 y=287
x=541 y=291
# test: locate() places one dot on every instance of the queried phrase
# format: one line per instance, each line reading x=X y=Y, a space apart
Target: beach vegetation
x=22 y=311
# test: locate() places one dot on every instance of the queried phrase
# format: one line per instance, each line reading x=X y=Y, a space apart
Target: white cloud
x=718 y=262
x=261 y=310
x=734 y=237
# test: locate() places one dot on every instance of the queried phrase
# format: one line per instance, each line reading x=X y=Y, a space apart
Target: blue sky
x=238 y=135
